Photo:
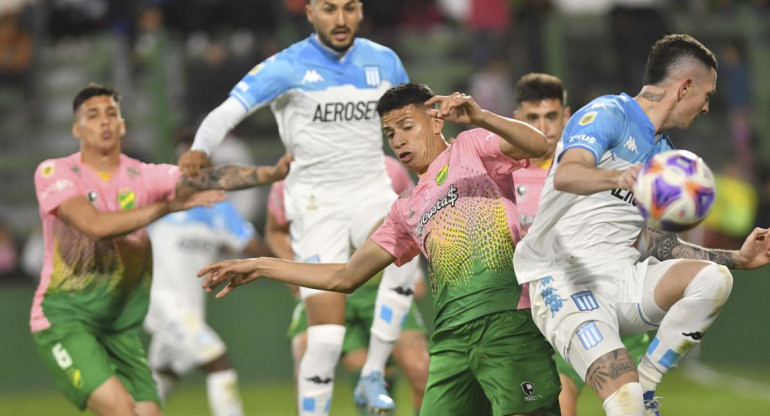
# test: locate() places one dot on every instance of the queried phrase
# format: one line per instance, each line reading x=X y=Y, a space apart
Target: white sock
x=626 y=401
x=315 y=381
x=164 y=383
x=684 y=324
x=394 y=298
x=222 y=389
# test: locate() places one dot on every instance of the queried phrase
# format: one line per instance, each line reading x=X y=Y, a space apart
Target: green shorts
x=359 y=315
x=81 y=358
x=635 y=343
x=498 y=364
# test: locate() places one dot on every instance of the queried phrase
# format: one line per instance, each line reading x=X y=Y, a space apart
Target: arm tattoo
x=608 y=367
x=665 y=246
x=652 y=96
x=227 y=177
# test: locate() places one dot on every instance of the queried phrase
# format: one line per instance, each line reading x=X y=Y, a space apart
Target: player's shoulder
x=601 y=111
x=54 y=166
x=366 y=45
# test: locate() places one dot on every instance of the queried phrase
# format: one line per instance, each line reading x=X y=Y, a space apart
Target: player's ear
x=76 y=129
x=684 y=88
x=309 y=12
x=516 y=115
x=437 y=125
x=567 y=113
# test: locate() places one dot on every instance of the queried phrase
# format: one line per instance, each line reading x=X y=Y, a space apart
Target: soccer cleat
x=651 y=404
x=371 y=395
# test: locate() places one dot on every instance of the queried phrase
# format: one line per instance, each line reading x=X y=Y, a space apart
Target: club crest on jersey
x=132 y=172
x=256 y=69
x=449 y=199
x=47 y=169
x=92 y=196
x=588 y=118
x=126 y=199
x=311 y=76
x=442 y=174
x=372 y=75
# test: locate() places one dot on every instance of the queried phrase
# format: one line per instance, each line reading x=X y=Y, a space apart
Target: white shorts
x=328 y=233
x=181 y=339
x=568 y=302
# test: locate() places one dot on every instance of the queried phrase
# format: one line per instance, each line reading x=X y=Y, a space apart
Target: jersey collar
x=330 y=53
x=638 y=114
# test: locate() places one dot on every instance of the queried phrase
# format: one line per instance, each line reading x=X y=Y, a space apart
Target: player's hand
x=627 y=178
x=195 y=199
x=232 y=272
x=755 y=251
x=457 y=108
x=191 y=162
x=280 y=170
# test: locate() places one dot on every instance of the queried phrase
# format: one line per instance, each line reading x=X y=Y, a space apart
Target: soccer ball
x=674 y=191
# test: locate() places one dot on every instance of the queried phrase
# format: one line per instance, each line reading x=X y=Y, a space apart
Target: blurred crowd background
x=175 y=60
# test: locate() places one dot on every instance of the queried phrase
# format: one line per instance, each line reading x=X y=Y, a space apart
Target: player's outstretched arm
x=662 y=245
x=233 y=177
x=80 y=213
x=520 y=140
x=577 y=174
x=367 y=261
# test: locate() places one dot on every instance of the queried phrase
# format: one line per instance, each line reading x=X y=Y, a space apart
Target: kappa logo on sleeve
x=588 y=118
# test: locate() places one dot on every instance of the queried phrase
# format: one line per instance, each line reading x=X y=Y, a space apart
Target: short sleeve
x=237 y=232
x=594 y=128
x=160 y=180
x=393 y=236
x=264 y=83
x=275 y=204
x=55 y=182
x=486 y=145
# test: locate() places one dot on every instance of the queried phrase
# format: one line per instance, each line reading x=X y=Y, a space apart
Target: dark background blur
x=175 y=60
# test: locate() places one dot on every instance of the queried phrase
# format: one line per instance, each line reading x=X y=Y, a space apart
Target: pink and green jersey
x=106 y=283
x=461 y=215
x=529 y=185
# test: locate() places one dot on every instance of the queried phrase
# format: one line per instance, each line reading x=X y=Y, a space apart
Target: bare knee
x=148 y=409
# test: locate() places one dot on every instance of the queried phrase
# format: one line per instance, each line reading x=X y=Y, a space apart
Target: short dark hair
x=535 y=87
x=670 y=50
x=93 y=90
x=402 y=95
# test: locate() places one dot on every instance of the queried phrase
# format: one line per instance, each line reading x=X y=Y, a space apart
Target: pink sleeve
x=275 y=205
x=161 y=180
x=398 y=174
x=487 y=146
x=395 y=239
x=55 y=182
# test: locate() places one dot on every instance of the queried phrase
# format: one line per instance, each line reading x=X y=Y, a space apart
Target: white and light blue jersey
x=186 y=241
x=597 y=228
x=325 y=106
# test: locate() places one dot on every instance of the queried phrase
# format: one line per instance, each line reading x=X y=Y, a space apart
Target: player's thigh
x=320 y=236
x=637 y=308
x=111 y=399
x=512 y=362
x=130 y=360
x=75 y=358
x=452 y=389
x=575 y=310
x=371 y=209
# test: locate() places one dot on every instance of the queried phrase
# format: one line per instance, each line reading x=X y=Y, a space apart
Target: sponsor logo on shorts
x=529 y=391
x=585 y=301
x=550 y=295
x=589 y=335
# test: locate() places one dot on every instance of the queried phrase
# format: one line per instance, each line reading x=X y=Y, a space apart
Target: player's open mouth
x=341 y=35
x=405 y=156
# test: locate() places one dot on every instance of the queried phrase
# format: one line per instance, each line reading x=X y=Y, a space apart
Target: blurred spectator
x=211 y=73
x=492 y=89
x=15 y=53
x=634 y=28
x=734 y=75
x=488 y=21
x=8 y=252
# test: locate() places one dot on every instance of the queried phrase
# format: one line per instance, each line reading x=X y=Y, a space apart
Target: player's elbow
x=561 y=181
